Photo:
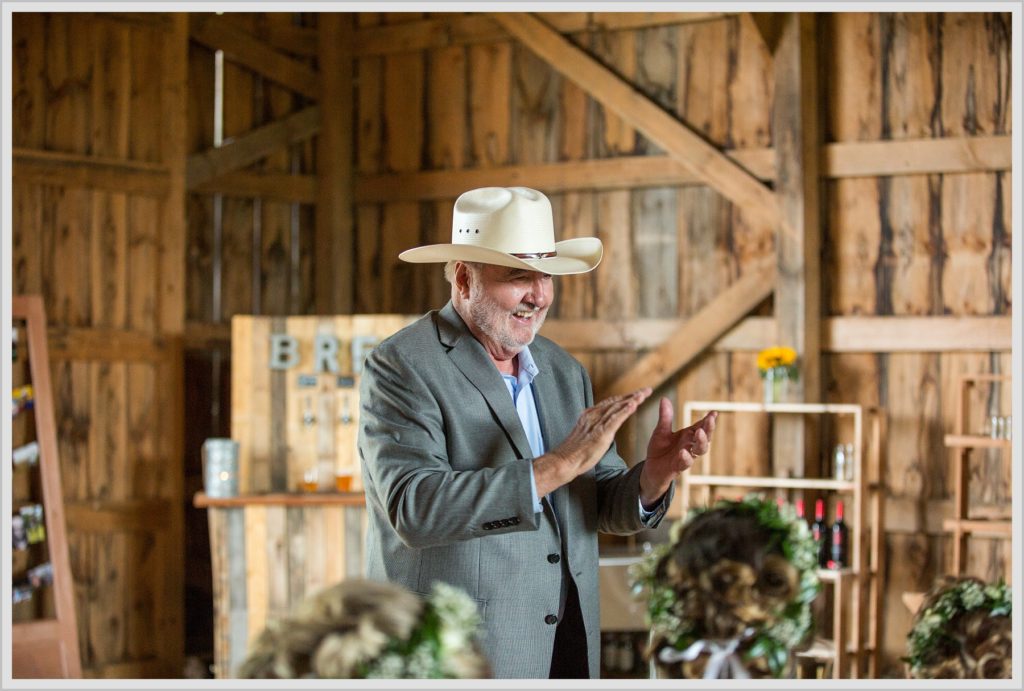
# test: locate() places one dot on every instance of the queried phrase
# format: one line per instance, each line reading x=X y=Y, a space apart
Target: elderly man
x=486 y=462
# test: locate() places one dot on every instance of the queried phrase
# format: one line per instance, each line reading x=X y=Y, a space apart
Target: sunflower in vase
x=777 y=365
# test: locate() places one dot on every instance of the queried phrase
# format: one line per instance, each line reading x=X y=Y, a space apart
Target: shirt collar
x=527 y=368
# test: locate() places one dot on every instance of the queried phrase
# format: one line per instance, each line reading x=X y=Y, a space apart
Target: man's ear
x=463 y=279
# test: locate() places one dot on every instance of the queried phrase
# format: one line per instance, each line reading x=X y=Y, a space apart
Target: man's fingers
x=665 y=414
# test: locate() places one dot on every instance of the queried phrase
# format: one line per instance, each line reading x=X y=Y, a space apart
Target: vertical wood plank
x=28 y=63
x=798 y=238
x=490 y=89
x=258 y=569
x=534 y=108
x=618 y=50
x=447 y=108
x=334 y=271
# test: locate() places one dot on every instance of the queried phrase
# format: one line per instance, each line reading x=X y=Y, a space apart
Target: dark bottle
x=819 y=530
x=840 y=539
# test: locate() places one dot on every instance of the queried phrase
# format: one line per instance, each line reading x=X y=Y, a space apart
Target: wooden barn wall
x=928 y=244
x=246 y=255
x=107 y=257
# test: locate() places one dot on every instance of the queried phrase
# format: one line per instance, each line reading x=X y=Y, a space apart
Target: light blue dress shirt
x=521 y=390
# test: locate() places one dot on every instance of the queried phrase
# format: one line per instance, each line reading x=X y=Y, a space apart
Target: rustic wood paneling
x=94 y=91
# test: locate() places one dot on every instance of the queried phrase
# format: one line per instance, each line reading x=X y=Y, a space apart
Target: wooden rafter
x=854 y=334
x=839 y=160
x=846 y=159
x=689 y=148
x=838 y=334
x=280 y=186
x=699 y=332
x=220 y=33
x=91 y=172
x=429 y=34
x=769 y=27
x=252 y=146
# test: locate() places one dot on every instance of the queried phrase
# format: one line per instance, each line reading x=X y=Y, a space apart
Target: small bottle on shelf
x=800 y=508
x=839 y=462
x=840 y=540
x=819 y=531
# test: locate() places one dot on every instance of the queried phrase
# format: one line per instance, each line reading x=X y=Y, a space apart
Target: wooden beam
x=471 y=29
x=110 y=345
x=148 y=20
x=688 y=147
x=298 y=40
x=917 y=334
x=134 y=515
x=33 y=166
x=281 y=186
x=847 y=159
x=769 y=27
x=252 y=146
x=218 y=32
x=333 y=264
x=174 y=150
x=839 y=334
x=207 y=336
x=918 y=156
x=699 y=332
x=797 y=135
x=604 y=174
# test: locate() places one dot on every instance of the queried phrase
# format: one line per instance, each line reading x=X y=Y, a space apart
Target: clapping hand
x=669 y=453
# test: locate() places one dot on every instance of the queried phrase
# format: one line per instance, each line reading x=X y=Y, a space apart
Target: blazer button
x=554 y=558
x=551 y=619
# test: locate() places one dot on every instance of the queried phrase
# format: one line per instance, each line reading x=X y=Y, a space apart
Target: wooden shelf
x=773 y=482
x=978 y=526
x=281 y=499
x=972 y=389
x=976 y=441
x=795 y=408
x=833 y=575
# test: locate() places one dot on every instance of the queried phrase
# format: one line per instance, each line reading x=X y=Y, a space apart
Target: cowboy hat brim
x=573 y=256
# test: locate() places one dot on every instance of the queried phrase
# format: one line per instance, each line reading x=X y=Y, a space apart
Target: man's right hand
x=589 y=440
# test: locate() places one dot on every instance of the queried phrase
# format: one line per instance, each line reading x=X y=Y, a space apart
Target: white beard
x=492 y=320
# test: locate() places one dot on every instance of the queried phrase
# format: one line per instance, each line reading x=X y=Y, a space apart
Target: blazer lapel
x=555 y=423
x=470 y=357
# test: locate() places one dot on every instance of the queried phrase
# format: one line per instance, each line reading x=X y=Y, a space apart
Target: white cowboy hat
x=509 y=226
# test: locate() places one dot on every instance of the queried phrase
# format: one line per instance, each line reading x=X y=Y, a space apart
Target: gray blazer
x=448 y=493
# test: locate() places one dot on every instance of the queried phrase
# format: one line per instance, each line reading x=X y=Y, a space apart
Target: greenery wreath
x=744 y=571
x=361 y=629
x=962 y=630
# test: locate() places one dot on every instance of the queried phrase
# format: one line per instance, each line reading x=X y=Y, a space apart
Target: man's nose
x=539 y=294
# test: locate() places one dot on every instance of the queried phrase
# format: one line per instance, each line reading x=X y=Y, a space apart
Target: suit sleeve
x=618 y=488
x=402 y=445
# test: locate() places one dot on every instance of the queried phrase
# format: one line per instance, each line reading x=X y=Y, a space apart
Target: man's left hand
x=669 y=453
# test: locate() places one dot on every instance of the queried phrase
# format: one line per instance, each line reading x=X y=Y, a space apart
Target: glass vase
x=774 y=386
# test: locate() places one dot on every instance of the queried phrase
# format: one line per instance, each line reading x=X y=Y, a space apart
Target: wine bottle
x=840 y=539
x=819 y=530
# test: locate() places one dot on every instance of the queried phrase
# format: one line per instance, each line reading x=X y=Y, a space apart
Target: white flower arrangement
x=360 y=629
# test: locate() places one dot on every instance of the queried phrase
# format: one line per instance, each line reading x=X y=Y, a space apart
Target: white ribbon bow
x=721 y=652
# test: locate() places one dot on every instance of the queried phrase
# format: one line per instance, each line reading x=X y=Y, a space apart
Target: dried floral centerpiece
x=362 y=629
x=962 y=631
x=730 y=594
